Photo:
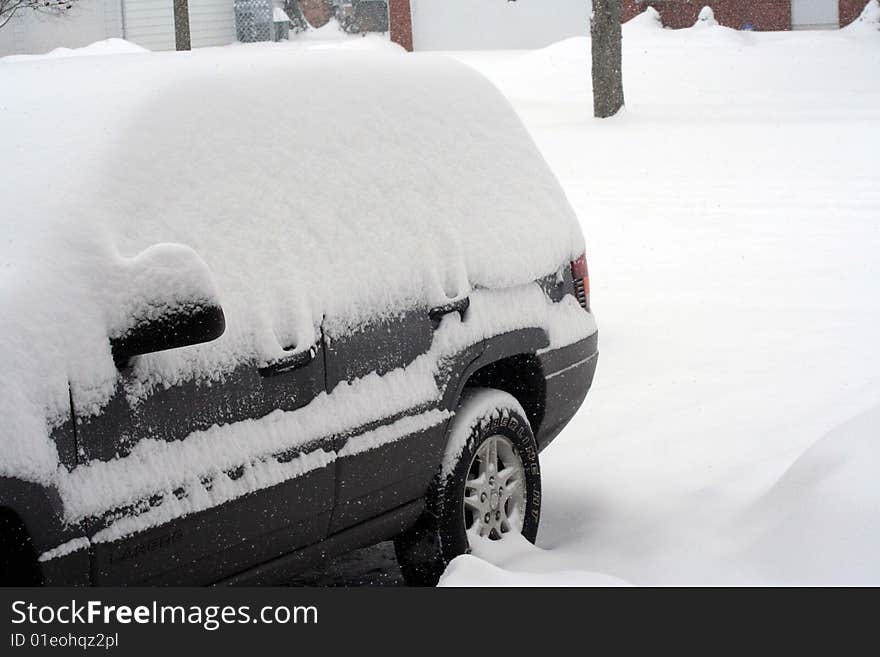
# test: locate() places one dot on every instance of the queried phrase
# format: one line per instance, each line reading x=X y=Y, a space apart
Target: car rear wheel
x=18 y=562
x=489 y=486
x=494 y=490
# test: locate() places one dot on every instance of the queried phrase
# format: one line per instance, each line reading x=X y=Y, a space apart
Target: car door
x=373 y=476
x=212 y=524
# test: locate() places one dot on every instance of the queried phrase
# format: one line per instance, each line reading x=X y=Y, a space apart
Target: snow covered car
x=259 y=308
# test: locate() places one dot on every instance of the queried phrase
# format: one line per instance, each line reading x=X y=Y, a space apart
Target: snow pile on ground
x=274 y=183
x=706 y=18
x=731 y=216
x=647 y=21
x=516 y=562
x=327 y=37
x=821 y=521
x=331 y=35
x=868 y=20
x=105 y=47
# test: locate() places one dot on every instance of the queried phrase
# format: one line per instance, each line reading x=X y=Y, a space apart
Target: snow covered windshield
x=291 y=188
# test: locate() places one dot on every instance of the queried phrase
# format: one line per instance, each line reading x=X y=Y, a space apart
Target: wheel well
x=520 y=376
x=18 y=559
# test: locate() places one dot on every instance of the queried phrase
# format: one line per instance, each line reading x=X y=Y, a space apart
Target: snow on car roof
x=300 y=186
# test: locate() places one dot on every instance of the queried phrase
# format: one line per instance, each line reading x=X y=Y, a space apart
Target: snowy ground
x=732 y=216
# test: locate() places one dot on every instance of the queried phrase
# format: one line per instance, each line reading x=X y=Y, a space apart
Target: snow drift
x=706 y=18
x=820 y=523
x=868 y=20
x=732 y=212
x=513 y=561
x=112 y=46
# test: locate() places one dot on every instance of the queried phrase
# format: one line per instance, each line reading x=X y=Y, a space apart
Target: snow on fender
x=477 y=405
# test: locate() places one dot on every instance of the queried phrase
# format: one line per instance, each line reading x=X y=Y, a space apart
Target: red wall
x=762 y=14
x=849 y=10
x=400 y=19
x=631 y=9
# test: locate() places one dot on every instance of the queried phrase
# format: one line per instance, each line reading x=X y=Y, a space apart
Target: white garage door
x=487 y=24
x=211 y=22
x=814 y=15
x=150 y=23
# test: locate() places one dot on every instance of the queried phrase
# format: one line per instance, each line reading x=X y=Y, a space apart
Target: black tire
x=18 y=562
x=439 y=536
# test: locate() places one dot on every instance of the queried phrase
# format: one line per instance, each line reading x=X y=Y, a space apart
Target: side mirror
x=166 y=299
x=177 y=327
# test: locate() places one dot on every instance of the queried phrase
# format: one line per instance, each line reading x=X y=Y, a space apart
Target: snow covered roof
x=247 y=166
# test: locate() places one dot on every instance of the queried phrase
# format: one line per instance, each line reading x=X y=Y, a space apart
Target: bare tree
x=181 y=25
x=9 y=8
x=607 y=70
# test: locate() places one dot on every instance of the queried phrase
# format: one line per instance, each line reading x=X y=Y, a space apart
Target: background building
x=148 y=23
x=762 y=15
x=415 y=24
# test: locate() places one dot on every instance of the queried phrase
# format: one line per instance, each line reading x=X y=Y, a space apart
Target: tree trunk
x=607 y=70
x=181 y=25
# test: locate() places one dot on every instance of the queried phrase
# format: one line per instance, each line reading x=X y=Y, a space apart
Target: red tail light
x=581 y=278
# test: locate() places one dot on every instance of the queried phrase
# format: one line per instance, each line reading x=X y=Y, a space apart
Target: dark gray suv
x=279 y=307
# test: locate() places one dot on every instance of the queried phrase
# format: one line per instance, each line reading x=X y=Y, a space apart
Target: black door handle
x=459 y=306
x=289 y=363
